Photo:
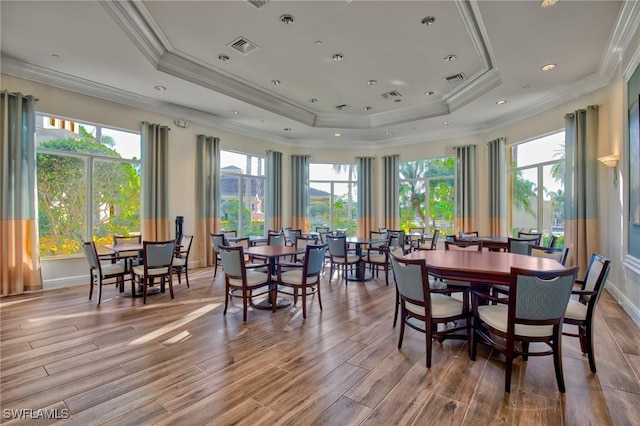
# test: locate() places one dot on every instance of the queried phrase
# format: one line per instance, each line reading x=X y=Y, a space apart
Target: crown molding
x=626 y=24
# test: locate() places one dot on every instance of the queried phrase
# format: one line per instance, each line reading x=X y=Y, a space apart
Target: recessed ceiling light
x=450 y=58
x=548 y=67
x=234 y=111
x=337 y=134
x=318 y=43
x=501 y=102
x=223 y=57
x=446 y=123
x=287 y=19
x=526 y=87
x=368 y=108
x=55 y=55
x=547 y=3
x=429 y=93
x=337 y=57
x=160 y=88
x=428 y=20
x=287 y=129
x=372 y=82
x=389 y=133
x=397 y=100
x=275 y=82
x=313 y=100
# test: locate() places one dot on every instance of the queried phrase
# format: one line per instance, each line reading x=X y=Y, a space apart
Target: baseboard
x=65 y=282
x=626 y=304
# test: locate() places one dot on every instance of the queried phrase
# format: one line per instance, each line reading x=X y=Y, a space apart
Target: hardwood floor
x=182 y=362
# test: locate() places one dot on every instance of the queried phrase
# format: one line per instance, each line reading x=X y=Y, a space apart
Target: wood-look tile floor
x=181 y=362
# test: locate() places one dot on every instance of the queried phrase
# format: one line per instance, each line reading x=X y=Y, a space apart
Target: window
x=88 y=179
x=537 y=187
x=333 y=196
x=242 y=188
x=427 y=194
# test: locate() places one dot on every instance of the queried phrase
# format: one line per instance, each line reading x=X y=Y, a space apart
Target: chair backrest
x=463 y=245
x=233 y=261
x=553 y=241
x=240 y=242
x=383 y=229
x=520 y=245
x=531 y=236
x=158 y=254
x=557 y=253
x=232 y=233
x=185 y=246
x=337 y=245
x=294 y=234
x=468 y=235
x=434 y=239
x=127 y=239
x=322 y=229
x=314 y=259
x=303 y=242
x=411 y=280
x=539 y=297
x=596 y=277
x=322 y=235
x=216 y=241
x=91 y=254
x=394 y=242
x=275 y=239
x=341 y=231
x=379 y=237
x=451 y=238
x=399 y=234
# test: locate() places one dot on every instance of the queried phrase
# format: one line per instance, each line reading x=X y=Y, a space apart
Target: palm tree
x=339 y=168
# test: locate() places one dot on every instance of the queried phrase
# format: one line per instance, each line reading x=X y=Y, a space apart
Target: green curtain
x=497 y=187
x=581 y=186
x=465 y=179
x=208 y=198
x=20 y=259
x=274 y=189
x=300 y=192
x=365 y=196
x=154 y=208
x=390 y=191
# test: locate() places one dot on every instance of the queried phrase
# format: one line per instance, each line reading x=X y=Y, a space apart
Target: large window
x=333 y=196
x=242 y=191
x=88 y=180
x=537 y=187
x=427 y=194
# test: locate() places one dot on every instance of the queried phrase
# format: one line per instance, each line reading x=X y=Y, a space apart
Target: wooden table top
x=124 y=247
x=481 y=267
x=272 y=251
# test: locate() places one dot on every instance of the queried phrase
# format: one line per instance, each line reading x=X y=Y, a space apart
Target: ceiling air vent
x=454 y=78
x=342 y=107
x=394 y=94
x=243 y=46
x=258 y=4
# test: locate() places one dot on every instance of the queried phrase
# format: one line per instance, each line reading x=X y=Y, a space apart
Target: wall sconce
x=612 y=162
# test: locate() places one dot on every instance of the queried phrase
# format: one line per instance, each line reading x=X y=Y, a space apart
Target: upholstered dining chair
x=217 y=240
x=553 y=240
x=124 y=257
x=557 y=253
x=468 y=234
x=429 y=243
x=241 y=278
x=304 y=278
x=181 y=258
x=521 y=245
x=99 y=272
x=377 y=255
x=157 y=262
x=537 y=236
x=340 y=258
x=580 y=312
x=533 y=312
x=473 y=246
x=423 y=308
x=294 y=234
x=415 y=237
x=275 y=239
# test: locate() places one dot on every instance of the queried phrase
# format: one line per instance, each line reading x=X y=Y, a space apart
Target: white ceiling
x=121 y=50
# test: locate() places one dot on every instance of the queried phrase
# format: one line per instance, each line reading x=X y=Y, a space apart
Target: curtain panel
x=581 y=186
x=497 y=187
x=274 y=190
x=20 y=269
x=465 y=178
x=365 y=196
x=390 y=191
x=154 y=212
x=300 y=192
x=208 y=198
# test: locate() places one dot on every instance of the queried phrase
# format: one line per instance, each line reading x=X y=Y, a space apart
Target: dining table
x=489 y=242
x=272 y=253
x=357 y=242
x=132 y=247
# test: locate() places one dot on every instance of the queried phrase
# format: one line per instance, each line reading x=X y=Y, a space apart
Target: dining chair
x=533 y=312
x=244 y=242
x=399 y=234
x=521 y=245
x=341 y=231
x=124 y=256
x=99 y=272
x=231 y=233
x=304 y=278
x=242 y=278
x=415 y=236
x=553 y=240
x=557 y=253
x=580 y=312
x=429 y=243
x=468 y=234
x=216 y=241
x=472 y=246
x=294 y=234
x=377 y=255
x=423 y=308
x=321 y=229
x=181 y=258
x=275 y=239
x=537 y=236
x=157 y=262
x=340 y=257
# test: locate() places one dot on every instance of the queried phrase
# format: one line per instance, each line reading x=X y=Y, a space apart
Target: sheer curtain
x=365 y=196
x=274 y=189
x=208 y=198
x=155 y=179
x=581 y=186
x=390 y=191
x=20 y=259
x=497 y=187
x=300 y=192
x=465 y=178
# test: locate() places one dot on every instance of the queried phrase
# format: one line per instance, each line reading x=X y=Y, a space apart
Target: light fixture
x=429 y=93
x=160 y=88
x=547 y=3
x=501 y=102
x=313 y=100
x=389 y=133
x=428 y=20
x=181 y=123
x=337 y=57
x=611 y=161
x=337 y=134
x=287 y=19
x=548 y=67
x=223 y=57
x=275 y=82
x=446 y=123
x=450 y=58
x=234 y=111
x=372 y=82
x=368 y=108
x=287 y=129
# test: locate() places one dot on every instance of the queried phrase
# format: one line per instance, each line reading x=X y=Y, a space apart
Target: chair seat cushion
x=495 y=316
x=503 y=288
x=442 y=306
x=112 y=269
x=576 y=310
x=253 y=279
x=179 y=261
x=437 y=284
x=295 y=277
x=139 y=270
x=376 y=258
x=349 y=259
